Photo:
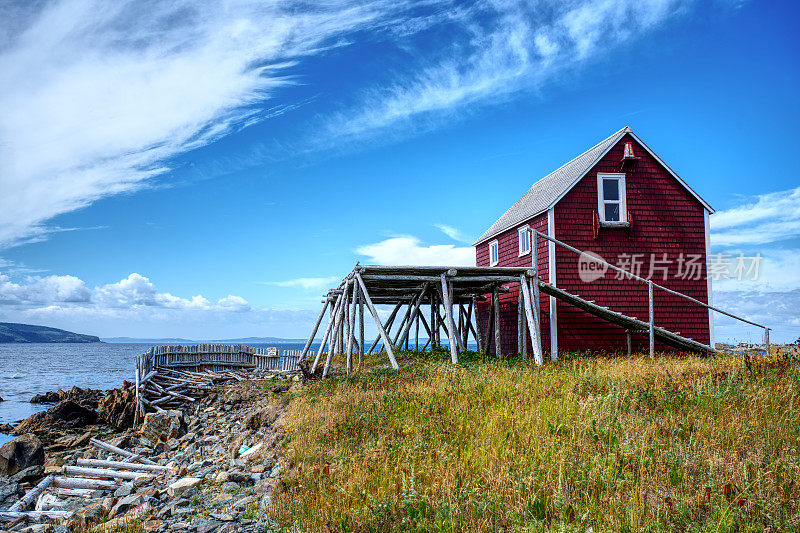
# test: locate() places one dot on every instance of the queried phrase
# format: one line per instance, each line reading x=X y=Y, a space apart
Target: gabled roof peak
x=547 y=191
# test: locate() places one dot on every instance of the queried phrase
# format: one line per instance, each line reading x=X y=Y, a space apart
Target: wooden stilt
x=374 y=312
x=536 y=343
x=328 y=333
x=314 y=330
x=477 y=332
x=387 y=326
x=498 y=345
x=451 y=326
x=360 y=328
x=350 y=333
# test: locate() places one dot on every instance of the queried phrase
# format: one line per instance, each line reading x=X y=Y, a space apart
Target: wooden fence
x=216 y=358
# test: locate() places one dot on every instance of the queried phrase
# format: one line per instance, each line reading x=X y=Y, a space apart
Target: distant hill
x=174 y=340
x=10 y=332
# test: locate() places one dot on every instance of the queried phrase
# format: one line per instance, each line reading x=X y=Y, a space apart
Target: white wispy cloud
x=454 y=233
x=303 y=283
x=759 y=220
x=517 y=47
x=99 y=95
x=408 y=250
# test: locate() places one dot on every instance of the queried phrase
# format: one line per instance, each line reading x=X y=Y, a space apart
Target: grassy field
x=615 y=444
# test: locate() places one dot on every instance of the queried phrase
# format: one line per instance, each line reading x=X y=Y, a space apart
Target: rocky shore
x=221 y=459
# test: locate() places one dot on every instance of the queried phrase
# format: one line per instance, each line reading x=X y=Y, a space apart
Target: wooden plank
x=84 y=483
x=374 y=313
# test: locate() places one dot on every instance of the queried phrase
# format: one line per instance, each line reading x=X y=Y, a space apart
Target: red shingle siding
x=665 y=218
x=508 y=254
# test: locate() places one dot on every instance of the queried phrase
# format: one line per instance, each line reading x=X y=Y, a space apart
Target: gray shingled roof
x=548 y=190
x=544 y=193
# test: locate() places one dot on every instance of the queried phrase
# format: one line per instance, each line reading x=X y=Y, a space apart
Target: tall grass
x=619 y=444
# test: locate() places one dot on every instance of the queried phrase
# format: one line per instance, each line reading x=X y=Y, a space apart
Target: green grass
x=618 y=444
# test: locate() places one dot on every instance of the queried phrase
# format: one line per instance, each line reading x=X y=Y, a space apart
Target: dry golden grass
x=618 y=444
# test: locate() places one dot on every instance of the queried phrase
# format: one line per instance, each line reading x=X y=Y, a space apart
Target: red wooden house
x=621 y=201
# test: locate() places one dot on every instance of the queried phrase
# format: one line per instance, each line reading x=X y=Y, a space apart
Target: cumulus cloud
x=408 y=250
x=135 y=291
x=761 y=219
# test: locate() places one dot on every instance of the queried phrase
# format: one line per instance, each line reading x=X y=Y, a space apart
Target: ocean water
x=30 y=369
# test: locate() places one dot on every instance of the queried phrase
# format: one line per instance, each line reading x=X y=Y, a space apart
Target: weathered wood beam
x=450 y=327
x=498 y=345
x=374 y=312
x=536 y=341
x=334 y=311
x=314 y=330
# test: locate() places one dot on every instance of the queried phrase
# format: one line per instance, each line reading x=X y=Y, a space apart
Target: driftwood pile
x=88 y=478
x=166 y=388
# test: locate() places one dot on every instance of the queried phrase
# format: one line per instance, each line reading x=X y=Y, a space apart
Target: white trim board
x=551 y=272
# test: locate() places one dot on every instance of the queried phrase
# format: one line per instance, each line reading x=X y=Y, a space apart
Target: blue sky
x=185 y=169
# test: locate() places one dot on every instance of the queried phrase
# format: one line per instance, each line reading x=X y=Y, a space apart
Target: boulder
x=8 y=490
x=118 y=407
x=182 y=485
x=162 y=426
x=85 y=397
x=48 y=397
x=64 y=415
x=20 y=453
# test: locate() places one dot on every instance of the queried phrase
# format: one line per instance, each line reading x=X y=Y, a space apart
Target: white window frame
x=496 y=246
x=623 y=203
x=523 y=236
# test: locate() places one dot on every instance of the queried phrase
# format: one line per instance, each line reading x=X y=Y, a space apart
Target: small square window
x=494 y=255
x=611 y=202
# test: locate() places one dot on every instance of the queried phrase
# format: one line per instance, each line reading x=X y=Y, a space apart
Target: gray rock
x=20 y=453
x=126 y=489
x=207 y=526
x=29 y=474
x=126 y=504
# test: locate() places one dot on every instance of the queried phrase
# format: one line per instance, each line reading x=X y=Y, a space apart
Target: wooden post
x=497 y=340
x=451 y=326
x=650 y=307
x=537 y=308
x=456 y=333
x=478 y=336
x=416 y=332
x=137 y=364
x=489 y=324
x=350 y=335
x=327 y=338
x=374 y=313
x=520 y=322
x=314 y=331
x=340 y=316
x=630 y=343
x=536 y=342
x=405 y=332
x=468 y=322
x=766 y=341
x=361 y=346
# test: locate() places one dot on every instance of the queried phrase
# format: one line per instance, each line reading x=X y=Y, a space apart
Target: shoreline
x=200 y=444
